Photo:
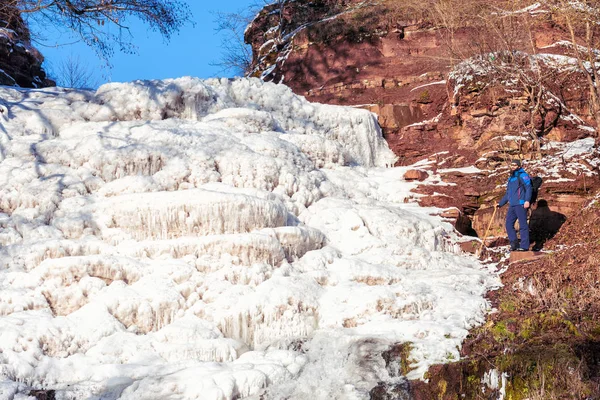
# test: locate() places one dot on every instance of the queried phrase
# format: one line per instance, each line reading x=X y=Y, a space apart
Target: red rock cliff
x=458 y=110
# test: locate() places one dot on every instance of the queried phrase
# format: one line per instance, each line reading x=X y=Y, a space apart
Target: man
x=518 y=196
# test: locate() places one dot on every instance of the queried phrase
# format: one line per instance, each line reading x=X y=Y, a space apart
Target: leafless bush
x=72 y=72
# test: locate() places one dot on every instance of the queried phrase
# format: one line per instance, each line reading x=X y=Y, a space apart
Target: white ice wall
x=185 y=238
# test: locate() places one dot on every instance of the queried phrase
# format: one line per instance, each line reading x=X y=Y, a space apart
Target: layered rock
x=490 y=121
x=432 y=107
x=20 y=62
x=351 y=53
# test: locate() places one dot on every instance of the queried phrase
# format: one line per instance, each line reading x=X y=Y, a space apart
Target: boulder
x=471 y=246
x=415 y=175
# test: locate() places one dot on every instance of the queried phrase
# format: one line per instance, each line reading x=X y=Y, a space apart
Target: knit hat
x=517 y=162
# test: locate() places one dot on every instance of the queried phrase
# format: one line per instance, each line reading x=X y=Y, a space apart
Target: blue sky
x=189 y=52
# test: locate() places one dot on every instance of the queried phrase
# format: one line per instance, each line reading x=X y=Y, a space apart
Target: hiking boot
x=514 y=245
x=521 y=249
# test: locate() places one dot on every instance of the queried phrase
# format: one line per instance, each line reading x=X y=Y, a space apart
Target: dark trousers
x=520 y=213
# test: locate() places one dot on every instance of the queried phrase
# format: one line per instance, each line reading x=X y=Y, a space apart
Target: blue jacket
x=518 y=189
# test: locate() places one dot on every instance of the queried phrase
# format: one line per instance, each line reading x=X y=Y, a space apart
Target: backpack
x=536 y=183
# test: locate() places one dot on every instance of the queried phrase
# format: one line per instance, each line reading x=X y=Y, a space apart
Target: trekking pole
x=486 y=232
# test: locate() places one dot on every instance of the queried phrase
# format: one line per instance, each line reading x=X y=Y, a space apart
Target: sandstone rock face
x=396 y=116
x=353 y=55
x=20 y=63
x=454 y=114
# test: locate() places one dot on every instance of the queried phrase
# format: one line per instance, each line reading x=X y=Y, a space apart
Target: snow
x=565 y=43
x=285 y=40
x=579 y=147
x=524 y=137
x=8 y=34
x=561 y=62
x=495 y=380
x=559 y=180
x=566 y=161
x=593 y=202
x=465 y=170
x=7 y=77
x=533 y=9
x=433 y=120
x=215 y=239
x=443 y=82
x=586 y=128
x=493 y=67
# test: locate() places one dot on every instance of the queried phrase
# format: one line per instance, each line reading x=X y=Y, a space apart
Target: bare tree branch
x=236 y=55
x=91 y=19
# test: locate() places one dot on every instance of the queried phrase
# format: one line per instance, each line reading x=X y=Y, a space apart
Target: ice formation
x=214 y=239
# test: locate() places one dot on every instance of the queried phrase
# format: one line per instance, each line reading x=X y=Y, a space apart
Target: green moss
x=537 y=343
x=473 y=380
x=527 y=329
x=501 y=332
x=516 y=389
x=594 y=331
x=508 y=306
x=442 y=387
x=405 y=360
x=539 y=369
x=571 y=327
x=424 y=97
x=568 y=291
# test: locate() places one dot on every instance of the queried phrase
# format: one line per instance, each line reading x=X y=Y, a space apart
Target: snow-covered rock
x=180 y=238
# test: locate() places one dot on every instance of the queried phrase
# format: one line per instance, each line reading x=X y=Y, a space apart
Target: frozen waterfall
x=215 y=239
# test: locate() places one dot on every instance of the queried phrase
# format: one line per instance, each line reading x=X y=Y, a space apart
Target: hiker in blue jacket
x=518 y=196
